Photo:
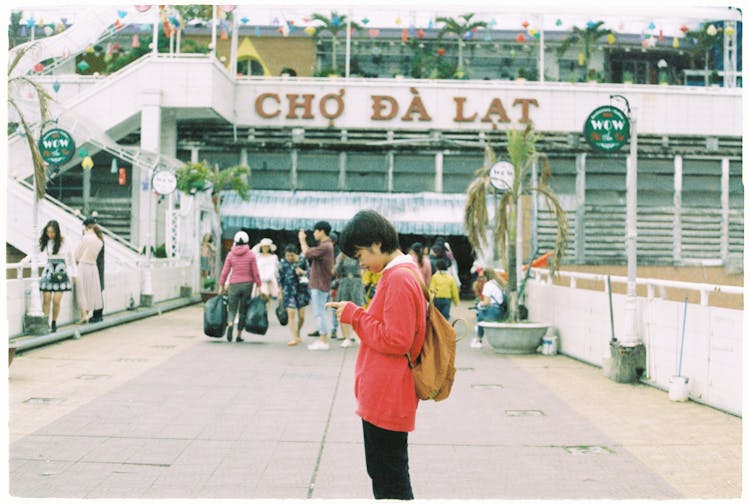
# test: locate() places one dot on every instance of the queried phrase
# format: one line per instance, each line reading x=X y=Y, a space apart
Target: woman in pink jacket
x=243 y=266
x=392 y=325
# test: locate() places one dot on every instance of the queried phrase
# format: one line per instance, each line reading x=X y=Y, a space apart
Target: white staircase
x=95 y=25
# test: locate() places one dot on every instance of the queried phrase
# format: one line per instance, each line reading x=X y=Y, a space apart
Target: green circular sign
x=607 y=129
x=57 y=146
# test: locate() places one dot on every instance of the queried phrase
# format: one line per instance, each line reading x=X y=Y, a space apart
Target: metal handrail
x=650 y=283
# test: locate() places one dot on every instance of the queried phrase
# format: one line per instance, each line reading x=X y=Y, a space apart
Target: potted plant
x=627 y=77
x=663 y=78
x=513 y=335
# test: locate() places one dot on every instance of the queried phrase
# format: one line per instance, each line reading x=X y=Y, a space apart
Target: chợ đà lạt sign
x=607 y=129
x=56 y=146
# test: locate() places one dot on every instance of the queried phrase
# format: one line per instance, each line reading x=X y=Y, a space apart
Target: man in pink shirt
x=392 y=325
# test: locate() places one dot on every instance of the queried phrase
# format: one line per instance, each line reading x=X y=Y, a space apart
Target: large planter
x=514 y=338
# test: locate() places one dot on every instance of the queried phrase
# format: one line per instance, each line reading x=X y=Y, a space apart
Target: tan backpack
x=435 y=367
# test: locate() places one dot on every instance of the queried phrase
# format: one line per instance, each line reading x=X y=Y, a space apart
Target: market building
x=397 y=120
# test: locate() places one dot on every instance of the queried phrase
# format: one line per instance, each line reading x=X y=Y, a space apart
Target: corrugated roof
x=414 y=213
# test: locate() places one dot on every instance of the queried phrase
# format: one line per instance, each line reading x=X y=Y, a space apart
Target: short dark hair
x=294 y=249
x=364 y=229
x=323 y=226
x=443 y=264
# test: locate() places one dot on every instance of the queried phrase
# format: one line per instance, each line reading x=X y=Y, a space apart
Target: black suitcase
x=215 y=317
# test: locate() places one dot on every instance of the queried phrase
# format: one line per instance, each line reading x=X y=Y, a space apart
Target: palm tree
x=588 y=38
x=522 y=155
x=332 y=25
x=25 y=124
x=460 y=29
x=703 y=44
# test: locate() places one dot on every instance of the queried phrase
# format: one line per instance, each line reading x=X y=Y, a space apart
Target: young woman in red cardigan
x=392 y=325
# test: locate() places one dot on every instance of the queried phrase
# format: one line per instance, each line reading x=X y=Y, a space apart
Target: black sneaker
x=53 y=327
x=230 y=329
x=314 y=334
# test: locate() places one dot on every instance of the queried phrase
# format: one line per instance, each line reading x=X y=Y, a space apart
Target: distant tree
x=587 y=38
x=461 y=28
x=333 y=25
x=14 y=30
x=703 y=45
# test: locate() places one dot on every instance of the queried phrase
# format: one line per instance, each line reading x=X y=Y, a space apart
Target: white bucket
x=549 y=345
x=678 y=388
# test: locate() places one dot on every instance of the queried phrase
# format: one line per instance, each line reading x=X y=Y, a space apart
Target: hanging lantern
x=83 y=66
x=610 y=39
x=117 y=24
x=38 y=67
x=533 y=32
x=121 y=13
x=590 y=25
x=90 y=50
x=525 y=24
x=558 y=22
x=142 y=8
x=335 y=20
x=227 y=8
x=404 y=35
x=113 y=167
x=48 y=31
x=398 y=20
x=373 y=32
x=684 y=29
x=83 y=152
x=675 y=42
x=728 y=31
x=56 y=86
x=121 y=177
x=244 y=20
x=661 y=36
x=136 y=41
x=224 y=35
x=275 y=21
x=651 y=25
x=87 y=163
x=429 y=24
x=441 y=51
x=520 y=38
x=420 y=34
x=644 y=44
x=711 y=30
x=365 y=21
x=310 y=30
x=30 y=22
x=257 y=31
x=581 y=59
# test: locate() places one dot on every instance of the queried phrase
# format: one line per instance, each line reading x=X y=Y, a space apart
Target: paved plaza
x=155 y=409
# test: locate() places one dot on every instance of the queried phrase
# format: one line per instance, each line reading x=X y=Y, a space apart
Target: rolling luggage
x=215 y=317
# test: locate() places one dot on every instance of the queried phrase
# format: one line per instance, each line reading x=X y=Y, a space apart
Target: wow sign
x=607 y=129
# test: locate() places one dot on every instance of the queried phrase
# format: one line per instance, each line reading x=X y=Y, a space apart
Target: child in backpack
x=443 y=287
x=491 y=306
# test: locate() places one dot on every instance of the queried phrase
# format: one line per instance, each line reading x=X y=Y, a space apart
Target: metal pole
x=348 y=43
x=630 y=337
x=213 y=31
x=541 y=47
x=155 y=38
x=35 y=301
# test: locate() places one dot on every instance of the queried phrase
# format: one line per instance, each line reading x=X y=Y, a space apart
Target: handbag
x=256 y=318
x=281 y=314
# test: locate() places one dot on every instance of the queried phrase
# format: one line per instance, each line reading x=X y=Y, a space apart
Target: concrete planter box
x=514 y=338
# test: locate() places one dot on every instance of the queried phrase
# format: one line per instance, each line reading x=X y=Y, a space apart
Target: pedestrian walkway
x=154 y=409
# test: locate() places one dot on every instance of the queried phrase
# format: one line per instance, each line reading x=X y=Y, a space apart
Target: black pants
x=387 y=462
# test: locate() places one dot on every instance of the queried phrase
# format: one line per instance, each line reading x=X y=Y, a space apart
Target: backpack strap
x=427 y=310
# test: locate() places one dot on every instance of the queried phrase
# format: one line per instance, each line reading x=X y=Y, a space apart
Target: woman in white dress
x=268 y=266
x=89 y=291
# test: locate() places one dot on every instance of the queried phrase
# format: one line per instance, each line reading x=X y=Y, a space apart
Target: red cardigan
x=393 y=324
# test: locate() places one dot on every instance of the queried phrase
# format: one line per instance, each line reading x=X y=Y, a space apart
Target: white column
x=348 y=43
x=439 y=171
x=631 y=337
x=724 y=209
x=581 y=207
x=541 y=47
x=213 y=31
x=677 y=204
x=534 y=208
x=151 y=117
x=155 y=35
x=235 y=42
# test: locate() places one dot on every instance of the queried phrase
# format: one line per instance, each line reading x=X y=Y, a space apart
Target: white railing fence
x=120 y=286
x=712 y=348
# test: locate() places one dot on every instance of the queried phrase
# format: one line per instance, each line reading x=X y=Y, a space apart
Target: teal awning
x=411 y=213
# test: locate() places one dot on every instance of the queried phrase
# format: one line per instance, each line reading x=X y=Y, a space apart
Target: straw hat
x=269 y=242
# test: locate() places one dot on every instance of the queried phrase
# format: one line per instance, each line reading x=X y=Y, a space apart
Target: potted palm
x=208 y=289
x=512 y=335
